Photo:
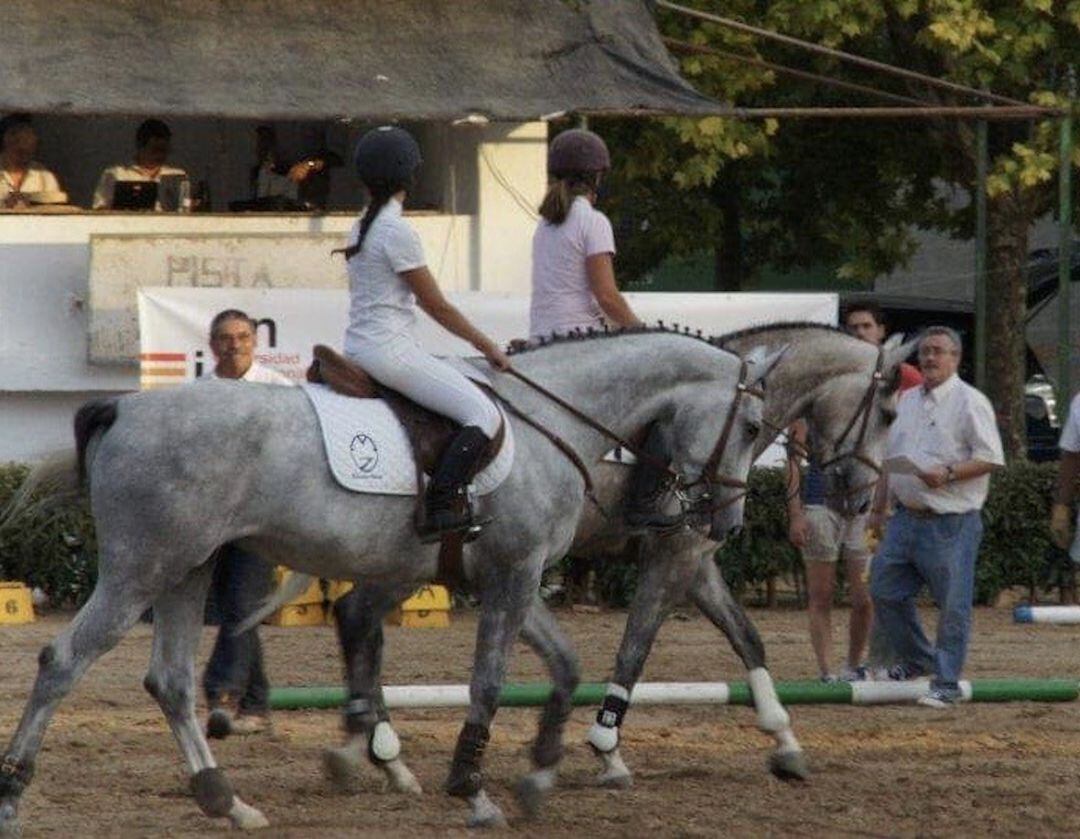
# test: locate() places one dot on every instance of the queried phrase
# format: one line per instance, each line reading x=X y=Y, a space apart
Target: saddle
x=428 y=432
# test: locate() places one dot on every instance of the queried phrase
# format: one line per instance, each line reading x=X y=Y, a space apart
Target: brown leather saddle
x=428 y=432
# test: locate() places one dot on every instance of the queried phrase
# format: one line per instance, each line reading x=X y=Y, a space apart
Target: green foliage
x=54 y=550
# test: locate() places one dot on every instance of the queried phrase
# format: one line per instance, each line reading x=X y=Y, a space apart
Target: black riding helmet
x=388 y=154
x=577 y=151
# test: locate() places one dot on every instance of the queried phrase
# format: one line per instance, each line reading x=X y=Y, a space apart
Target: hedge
x=56 y=551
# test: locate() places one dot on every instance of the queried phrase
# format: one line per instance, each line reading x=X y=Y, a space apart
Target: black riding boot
x=446 y=504
x=650 y=487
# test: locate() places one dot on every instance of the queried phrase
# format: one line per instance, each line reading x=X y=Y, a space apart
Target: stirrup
x=452 y=515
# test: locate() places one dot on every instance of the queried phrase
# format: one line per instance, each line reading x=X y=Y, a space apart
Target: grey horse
x=844 y=387
x=174 y=474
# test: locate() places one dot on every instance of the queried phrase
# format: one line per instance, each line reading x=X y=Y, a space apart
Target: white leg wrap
x=604 y=733
x=246 y=817
x=385 y=744
x=771 y=715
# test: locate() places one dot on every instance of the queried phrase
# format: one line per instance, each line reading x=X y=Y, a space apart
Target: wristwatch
x=950 y=474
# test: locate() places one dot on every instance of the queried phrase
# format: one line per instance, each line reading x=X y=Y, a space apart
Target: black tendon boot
x=650 y=488
x=446 y=504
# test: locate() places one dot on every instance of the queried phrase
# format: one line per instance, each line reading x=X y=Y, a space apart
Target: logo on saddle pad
x=365 y=454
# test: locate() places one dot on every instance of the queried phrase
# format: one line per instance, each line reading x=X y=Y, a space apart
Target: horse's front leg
x=663 y=579
x=506 y=595
x=543 y=634
x=712 y=596
x=359 y=620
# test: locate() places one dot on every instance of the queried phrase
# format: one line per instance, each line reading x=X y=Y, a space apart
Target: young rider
x=388 y=278
x=573 y=283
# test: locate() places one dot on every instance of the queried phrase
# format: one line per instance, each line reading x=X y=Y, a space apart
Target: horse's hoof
x=485 y=812
x=533 y=789
x=615 y=779
x=789 y=766
x=219 y=724
x=9 y=822
x=401 y=778
x=341 y=766
x=245 y=817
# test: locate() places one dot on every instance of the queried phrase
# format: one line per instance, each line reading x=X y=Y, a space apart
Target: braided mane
x=719 y=341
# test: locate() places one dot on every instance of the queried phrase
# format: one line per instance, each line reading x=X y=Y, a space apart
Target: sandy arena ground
x=110 y=768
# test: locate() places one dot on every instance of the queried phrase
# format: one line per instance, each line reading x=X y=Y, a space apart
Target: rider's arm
x=601 y=272
x=432 y=301
x=796 y=444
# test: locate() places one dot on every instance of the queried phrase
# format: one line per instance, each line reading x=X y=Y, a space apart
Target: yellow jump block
x=301 y=614
x=16 y=604
x=429 y=607
x=313 y=593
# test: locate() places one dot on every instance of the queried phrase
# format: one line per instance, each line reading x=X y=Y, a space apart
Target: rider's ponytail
x=562 y=192
x=381 y=192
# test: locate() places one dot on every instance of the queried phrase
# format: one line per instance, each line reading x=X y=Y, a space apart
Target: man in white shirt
x=23 y=181
x=942 y=448
x=1068 y=472
x=153 y=141
x=235 y=682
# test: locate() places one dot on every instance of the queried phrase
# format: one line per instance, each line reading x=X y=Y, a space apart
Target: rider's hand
x=798 y=530
x=496 y=357
x=935 y=478
x=1060 y=526
x=875 y=524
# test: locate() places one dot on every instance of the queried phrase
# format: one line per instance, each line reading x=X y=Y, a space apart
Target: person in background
x=824 y=537
x=153 y=142
x=21 y=177
x=1068 y=472
x=298 y=176
x=235 y=682
x=944 y=444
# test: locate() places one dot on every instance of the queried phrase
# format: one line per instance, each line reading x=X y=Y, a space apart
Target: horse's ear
x=897 y=350
x=762 y=363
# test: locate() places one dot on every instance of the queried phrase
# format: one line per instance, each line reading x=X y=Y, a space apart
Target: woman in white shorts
x=573 y=286
x=388 y=279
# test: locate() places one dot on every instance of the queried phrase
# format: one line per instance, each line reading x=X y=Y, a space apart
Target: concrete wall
x=486 y=179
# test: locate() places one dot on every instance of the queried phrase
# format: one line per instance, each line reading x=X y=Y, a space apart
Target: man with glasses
x=235 y=682
x=823 y=536
x=942 y=448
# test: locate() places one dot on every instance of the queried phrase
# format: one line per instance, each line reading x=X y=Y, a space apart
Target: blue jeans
x=235 y=669
x=940 y=552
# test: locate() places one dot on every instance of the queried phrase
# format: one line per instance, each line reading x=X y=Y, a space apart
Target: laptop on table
x=134 y=195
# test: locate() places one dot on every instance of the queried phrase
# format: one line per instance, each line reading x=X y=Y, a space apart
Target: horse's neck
x=624 y=383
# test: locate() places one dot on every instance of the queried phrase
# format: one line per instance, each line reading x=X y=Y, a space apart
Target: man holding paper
x=941 y=450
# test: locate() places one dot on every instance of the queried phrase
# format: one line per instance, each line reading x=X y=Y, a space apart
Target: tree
x=849 y=193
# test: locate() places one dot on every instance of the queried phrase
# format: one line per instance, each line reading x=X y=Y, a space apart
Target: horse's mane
x=558 y=338
x=719 y=341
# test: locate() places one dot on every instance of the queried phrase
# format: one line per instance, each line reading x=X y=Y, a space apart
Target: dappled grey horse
x=174 y=474
x=844 y=387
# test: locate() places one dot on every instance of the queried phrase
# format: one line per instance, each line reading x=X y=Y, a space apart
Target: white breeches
x=402 y=365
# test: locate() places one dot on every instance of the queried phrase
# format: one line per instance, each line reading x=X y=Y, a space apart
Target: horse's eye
x=753 y=428
x=888 y=416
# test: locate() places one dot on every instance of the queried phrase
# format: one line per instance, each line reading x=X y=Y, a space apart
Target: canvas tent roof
x=313 y=59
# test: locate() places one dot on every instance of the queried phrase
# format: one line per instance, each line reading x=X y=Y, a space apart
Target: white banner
x=174 y=323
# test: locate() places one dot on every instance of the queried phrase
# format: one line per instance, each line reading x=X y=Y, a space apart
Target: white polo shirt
x=256 y=373
x=382 y=305
x=562 y=299
x=103 y=193
x=949 y=424
x=37 y=179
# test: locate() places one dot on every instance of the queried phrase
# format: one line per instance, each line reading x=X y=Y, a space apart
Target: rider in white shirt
x=573 y=288
x=388 y=278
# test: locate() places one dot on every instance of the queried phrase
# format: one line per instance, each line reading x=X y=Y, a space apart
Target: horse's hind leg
x=663 y=580
x=178 y=617
x=711 y=595
x=106 y=617
x=359 y=620
x=543 y=634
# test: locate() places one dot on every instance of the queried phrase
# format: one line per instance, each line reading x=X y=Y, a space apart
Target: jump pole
x=1046 y=614
x=693 y=693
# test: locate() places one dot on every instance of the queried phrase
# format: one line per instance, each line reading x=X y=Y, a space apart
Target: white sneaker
x=938 y=699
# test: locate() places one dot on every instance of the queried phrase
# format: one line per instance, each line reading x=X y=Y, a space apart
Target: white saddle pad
x=369 y=452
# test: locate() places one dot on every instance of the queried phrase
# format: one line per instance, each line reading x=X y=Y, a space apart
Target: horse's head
x=723 y=434
x=849 y=422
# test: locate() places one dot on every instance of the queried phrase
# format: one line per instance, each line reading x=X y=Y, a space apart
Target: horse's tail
x=92 y=418
x=295 y=584
x=60 y=478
